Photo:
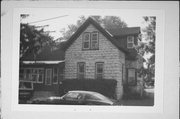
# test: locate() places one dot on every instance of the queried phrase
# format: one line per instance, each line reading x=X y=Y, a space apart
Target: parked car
x=76 y=98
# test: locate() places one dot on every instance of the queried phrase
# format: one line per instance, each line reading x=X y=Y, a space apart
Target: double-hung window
x=81 y=70
x=130 y=41
x=99 y=70
x=90 y=40
x=94 y=40
x=86 y=41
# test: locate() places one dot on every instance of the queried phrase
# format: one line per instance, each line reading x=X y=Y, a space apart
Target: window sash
x=130 y=41
x=86 y=41
x=81 y=74
x=48 y=78
x=94 y=40
x=40 y=75
x=55 y=76
x=99 y=75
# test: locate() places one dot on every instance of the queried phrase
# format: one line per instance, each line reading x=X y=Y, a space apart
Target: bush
x=104 y=86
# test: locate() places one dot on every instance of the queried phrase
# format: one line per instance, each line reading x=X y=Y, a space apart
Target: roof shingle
x=123 y=31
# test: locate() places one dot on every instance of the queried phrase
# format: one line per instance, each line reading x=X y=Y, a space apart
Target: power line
x=47 y=19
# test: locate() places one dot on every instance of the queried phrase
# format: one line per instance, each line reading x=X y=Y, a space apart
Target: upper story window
x=86 y=41
x=94 y=40
x=130 y=41
x=90 y=40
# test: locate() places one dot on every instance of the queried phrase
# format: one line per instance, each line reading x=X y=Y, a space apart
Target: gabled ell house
x=92 y=52
x=96 y=53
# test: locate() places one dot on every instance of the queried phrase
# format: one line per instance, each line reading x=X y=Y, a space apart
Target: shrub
x=104 y=86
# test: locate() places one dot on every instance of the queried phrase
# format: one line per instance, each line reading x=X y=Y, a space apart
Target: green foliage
x=148 y=47
x=32 y=38
x=106 y=22
x=104 y=86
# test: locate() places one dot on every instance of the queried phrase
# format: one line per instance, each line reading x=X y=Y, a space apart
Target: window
x=61 y=76
x=25 y=85
x=72 y=96
x=81 y=70
x=28 y=73
x=48 y=76
x=94 y=40
x=130 y=41
x=90 y=40
x=40 y=76
x=55 y=76
x=131 y=77
x=32 y=74
x=25 y=74
x=99 y=70
x=86 y=41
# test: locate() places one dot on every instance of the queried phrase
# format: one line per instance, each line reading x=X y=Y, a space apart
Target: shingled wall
x=107 y=53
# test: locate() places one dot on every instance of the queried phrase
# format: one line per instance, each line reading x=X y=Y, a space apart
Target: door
x=48 y=78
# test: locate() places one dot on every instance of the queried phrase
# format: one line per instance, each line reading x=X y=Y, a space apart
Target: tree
x=147 y=47
x=32 y=38
x=105 y=22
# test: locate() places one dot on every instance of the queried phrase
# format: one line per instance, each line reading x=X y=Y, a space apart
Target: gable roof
x=102 y=30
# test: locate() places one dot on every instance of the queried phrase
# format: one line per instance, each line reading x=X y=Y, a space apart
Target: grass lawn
x=137 y=102
x=147 y=100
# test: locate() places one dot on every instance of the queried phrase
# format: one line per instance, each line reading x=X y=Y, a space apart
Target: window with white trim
x=86 y=40
x=32 y=74
x=94 y=40
x=55 y=76
x=99 y=70
x=130 y=41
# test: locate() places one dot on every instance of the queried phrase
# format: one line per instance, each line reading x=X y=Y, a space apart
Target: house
x=92 y=52
x=45 y=70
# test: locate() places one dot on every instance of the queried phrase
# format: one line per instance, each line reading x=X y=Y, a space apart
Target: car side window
x=72 y=96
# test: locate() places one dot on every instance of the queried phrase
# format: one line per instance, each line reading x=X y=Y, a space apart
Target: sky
x=63 y=19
